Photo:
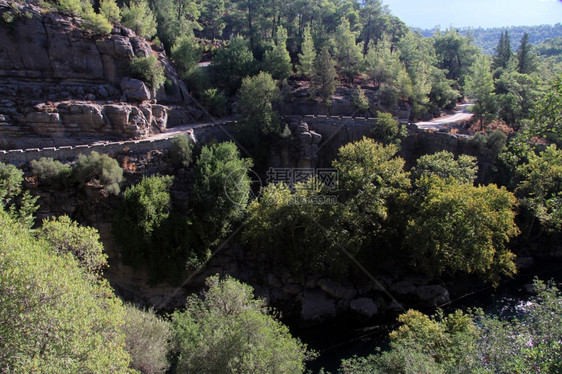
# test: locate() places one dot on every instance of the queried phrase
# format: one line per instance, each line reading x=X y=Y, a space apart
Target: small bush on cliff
x=96 y=23
x=100 y=169
x=148 y=70
x=181 y=151
x=148 y=340
x=51 y=172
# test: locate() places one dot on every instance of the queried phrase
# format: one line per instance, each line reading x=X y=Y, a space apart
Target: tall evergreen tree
x=503 y=52
x=277 y=61
x=347 y=52
x=308 y=55
x=324 y=81
x=480 y=86
x=526 y=62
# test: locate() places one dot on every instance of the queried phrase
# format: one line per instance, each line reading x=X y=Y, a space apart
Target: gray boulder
x=135 y=89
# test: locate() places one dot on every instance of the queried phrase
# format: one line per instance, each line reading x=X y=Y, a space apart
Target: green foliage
x=175 y=18
x=53 y=317
x=473 y=343
x=347 y=53
x=360 y=101
x=324 y=80
x=382 y=63
x=138 y=17
x=148 y=340
x=540 y=188
x=388 y=130
x=101 y=170
x=96 y=23
x=221 y=190
x=459 y=227
x=277 y=61
x=308 y=55
x=228 y=331
x=181 y=151
x=215 y=101
x=149 y=70
x=479 y=85
x=547 y=114
x=503 y=54
x=443 y=165
x=11 y=179
x=110 y=10
x=256 y=98
x=66 y=236
x=526 y=59
x=19 y=206
x=455 y=54
x=144 y=209
x=73 y=7
x=51 y=172
x=186 y=54
x=232 y=63
x=289 y=228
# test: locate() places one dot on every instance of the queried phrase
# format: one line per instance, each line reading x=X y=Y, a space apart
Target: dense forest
x=434 y=219
x=487 y=38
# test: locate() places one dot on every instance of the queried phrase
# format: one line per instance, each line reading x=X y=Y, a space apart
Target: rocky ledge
x=60 y=82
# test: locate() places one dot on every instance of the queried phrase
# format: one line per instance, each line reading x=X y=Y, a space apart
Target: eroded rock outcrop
x=61 y=83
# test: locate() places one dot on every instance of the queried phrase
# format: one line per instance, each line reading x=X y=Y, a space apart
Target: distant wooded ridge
x=487 y=38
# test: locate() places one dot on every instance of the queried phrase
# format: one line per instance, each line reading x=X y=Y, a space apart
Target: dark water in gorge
x=343 y=337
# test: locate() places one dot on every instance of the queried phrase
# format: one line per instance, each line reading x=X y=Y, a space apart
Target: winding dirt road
x=461 y=114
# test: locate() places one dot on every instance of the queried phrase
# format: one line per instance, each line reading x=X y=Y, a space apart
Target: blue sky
x=484 y=13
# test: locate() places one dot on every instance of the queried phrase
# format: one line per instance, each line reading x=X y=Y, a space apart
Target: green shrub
x=229 y=331
x=360 y=101
x=186 y=54
x=388 y=130
x=51 y=172
x=215 y=101
x=181 y=151
x=100 y=169
x=53 y=318
x=149 y=70
x=148 y=340
x=67 y=236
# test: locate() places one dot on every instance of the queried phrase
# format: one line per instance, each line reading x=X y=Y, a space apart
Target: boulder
x=316 y=307
x=135 y=89
x=433 y=295
x=364 y=306
x=336 y=290
x=403 y=288
x=87 y=117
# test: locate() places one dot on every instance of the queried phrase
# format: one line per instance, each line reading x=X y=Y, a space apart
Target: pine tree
x=324 y=81
x=526 y=62
x=503 y=52
x=308 y=55
x=480 y=86
x=348 y=53
x=277 y=61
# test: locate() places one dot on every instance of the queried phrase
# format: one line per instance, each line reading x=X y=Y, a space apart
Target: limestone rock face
x=59 y=82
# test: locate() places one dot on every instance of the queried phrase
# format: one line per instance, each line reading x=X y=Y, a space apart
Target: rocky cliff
x=60 y=84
